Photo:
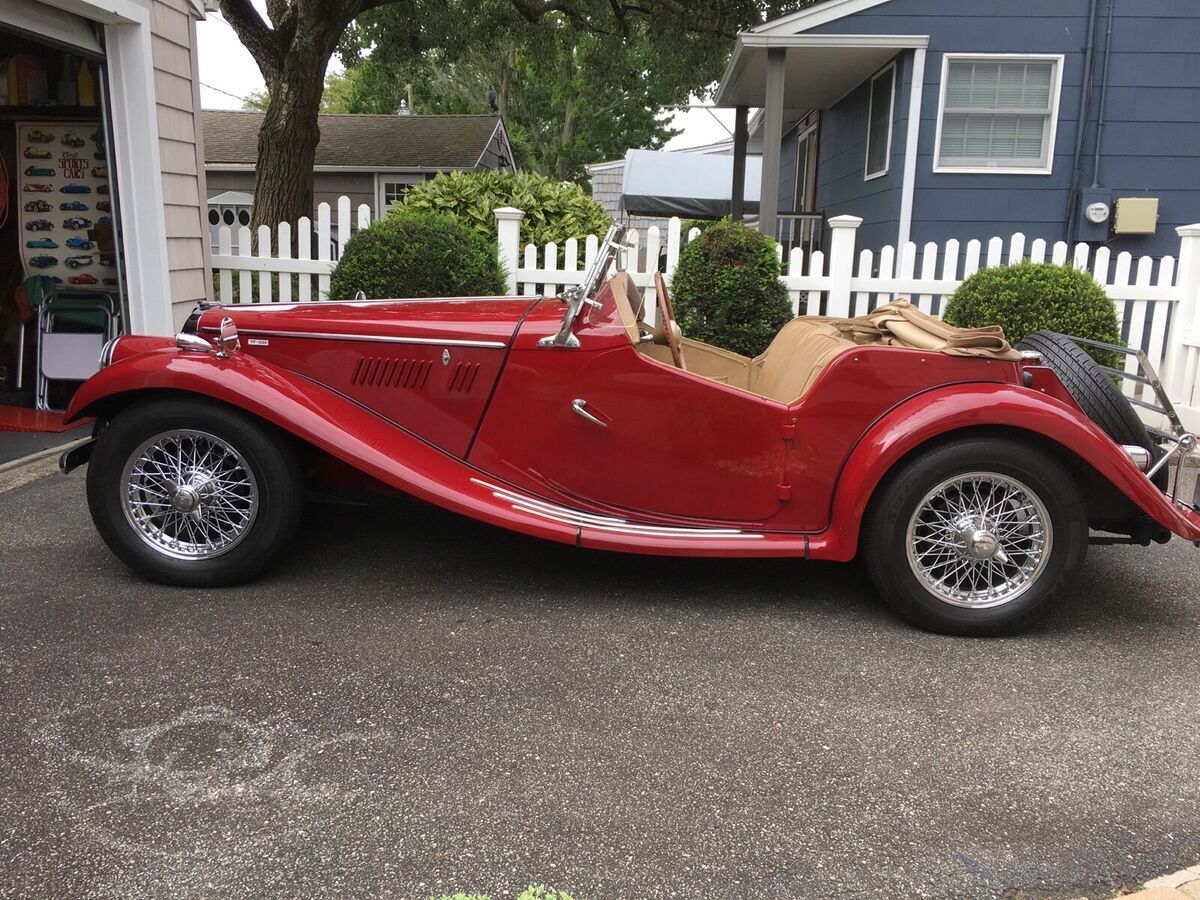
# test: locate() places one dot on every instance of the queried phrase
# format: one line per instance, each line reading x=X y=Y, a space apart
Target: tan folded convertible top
x=900 y=324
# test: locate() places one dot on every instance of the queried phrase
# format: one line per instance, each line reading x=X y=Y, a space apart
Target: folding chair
x=72 y=330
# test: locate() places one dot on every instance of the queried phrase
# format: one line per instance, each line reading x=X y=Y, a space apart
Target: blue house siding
x=1151 y=142
x=841 y=162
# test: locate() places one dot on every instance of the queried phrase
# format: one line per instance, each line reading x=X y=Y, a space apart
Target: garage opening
x=62 y=287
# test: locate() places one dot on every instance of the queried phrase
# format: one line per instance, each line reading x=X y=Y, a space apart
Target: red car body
x=456 y=403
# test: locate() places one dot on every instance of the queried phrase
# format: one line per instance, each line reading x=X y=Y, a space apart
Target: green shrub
x=1027 y=297
x=417 y=254
x=727 y=291
x=700 y=224
x=554 y=210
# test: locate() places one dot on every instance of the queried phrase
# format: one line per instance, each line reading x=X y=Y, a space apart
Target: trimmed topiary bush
x=417 y=254
x=1027 y=297
x=726 y=289
x=554 y=210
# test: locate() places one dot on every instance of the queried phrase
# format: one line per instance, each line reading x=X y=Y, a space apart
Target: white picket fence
x=317 y=252
x=1157 y=300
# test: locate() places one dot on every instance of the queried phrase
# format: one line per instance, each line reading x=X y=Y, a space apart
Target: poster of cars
x=64 y=192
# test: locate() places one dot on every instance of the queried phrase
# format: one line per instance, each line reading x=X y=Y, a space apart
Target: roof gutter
x=749 y=40
x=397 y=170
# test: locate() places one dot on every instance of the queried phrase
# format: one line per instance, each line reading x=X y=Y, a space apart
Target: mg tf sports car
x=967 y=474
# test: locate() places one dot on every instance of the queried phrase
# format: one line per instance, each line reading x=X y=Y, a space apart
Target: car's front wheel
x=975 y=537
x=189 y=492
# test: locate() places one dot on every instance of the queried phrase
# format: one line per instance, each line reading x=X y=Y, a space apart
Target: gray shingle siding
x=1151 y=144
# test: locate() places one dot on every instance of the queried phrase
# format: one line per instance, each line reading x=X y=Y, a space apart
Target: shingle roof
x=384 y=142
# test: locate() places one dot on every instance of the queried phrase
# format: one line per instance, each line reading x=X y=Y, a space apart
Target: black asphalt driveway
x=415 y=704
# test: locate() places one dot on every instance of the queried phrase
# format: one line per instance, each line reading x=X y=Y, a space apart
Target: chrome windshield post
x=579 y=296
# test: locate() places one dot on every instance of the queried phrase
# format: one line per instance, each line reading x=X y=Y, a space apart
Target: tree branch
x=256 y=36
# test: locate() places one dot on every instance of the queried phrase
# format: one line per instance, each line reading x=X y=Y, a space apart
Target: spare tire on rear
x=1095 y=392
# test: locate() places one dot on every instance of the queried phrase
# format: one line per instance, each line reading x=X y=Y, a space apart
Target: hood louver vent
x=463 y=378
x=392 y=373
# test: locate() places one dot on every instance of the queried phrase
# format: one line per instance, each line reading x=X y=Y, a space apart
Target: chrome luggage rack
x=1182 y=442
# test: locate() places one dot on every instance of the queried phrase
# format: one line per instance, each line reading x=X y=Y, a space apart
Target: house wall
x=607 y=186
x=327 y=187
x=1151 y=144
x=842 y=159
x=176 y=91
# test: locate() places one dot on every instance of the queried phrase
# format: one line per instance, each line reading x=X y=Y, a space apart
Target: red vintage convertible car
x=966 y=473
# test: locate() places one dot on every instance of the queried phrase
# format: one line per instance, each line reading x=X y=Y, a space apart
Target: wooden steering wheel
x=666 y=314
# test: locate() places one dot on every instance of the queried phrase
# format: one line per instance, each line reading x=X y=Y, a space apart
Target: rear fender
x=945 y=410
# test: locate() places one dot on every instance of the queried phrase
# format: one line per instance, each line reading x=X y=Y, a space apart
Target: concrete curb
x=34 y=467
x=1181 y=885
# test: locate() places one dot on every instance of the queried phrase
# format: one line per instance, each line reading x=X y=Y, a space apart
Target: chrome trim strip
x=579 y=519
x=372 y=338
x=281 y=305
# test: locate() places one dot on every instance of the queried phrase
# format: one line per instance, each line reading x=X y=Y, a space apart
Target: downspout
x=1085 y=103
x=1103 y=95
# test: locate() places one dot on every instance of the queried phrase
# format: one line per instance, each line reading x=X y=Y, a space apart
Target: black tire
x=278 y=494
x=1095 y=392
x=886 y=535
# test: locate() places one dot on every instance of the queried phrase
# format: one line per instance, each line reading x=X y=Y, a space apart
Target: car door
x=617 y=430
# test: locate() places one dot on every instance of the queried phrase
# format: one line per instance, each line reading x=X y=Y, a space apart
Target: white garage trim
x=42 y=21
x=134 y=121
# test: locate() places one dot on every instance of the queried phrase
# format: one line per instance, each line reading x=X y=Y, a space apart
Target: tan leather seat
x=797 y=355
x=629 y=303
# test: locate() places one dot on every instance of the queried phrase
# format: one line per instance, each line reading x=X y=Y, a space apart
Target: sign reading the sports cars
x=62 y=171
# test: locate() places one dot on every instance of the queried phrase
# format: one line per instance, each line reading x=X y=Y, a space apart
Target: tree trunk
x=287 y=149
x=287 y=141
x=562 y=166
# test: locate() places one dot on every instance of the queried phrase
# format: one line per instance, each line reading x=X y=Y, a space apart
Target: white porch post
x=508 y=238
x=912 y=136
x=768 y=195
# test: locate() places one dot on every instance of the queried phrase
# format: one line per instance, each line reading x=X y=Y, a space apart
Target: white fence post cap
x=508 y=214
x=1188 y=231
x=845 y=222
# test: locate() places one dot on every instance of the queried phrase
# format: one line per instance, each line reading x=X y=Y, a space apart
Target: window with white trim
x=879 y=123
x=998 y=113
x=390 y=189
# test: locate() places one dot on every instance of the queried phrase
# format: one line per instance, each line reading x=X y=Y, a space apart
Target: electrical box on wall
x=1095 y=214
x=1136 y=215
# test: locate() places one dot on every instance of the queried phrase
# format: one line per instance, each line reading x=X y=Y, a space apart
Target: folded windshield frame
x=579 y=296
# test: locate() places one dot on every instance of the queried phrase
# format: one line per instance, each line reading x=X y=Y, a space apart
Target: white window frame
x=397 y=177
x=868 y=175
x=802 y=171
x=1050 y=135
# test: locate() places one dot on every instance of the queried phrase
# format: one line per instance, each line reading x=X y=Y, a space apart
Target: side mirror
x=228 y=340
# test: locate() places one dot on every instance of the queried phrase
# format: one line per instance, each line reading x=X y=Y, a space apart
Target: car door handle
x=580 y=407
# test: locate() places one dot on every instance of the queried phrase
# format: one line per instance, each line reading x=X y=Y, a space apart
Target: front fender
x=321 y=417
x=945 y=410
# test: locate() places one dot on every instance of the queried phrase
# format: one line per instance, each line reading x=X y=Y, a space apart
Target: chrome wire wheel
x=189 y=495
x=979 y=540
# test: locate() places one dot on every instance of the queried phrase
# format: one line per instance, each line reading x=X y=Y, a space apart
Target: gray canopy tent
x=688 y=185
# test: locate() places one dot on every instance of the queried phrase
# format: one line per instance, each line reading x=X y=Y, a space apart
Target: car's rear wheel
x=188 y=492
x=975 y=537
